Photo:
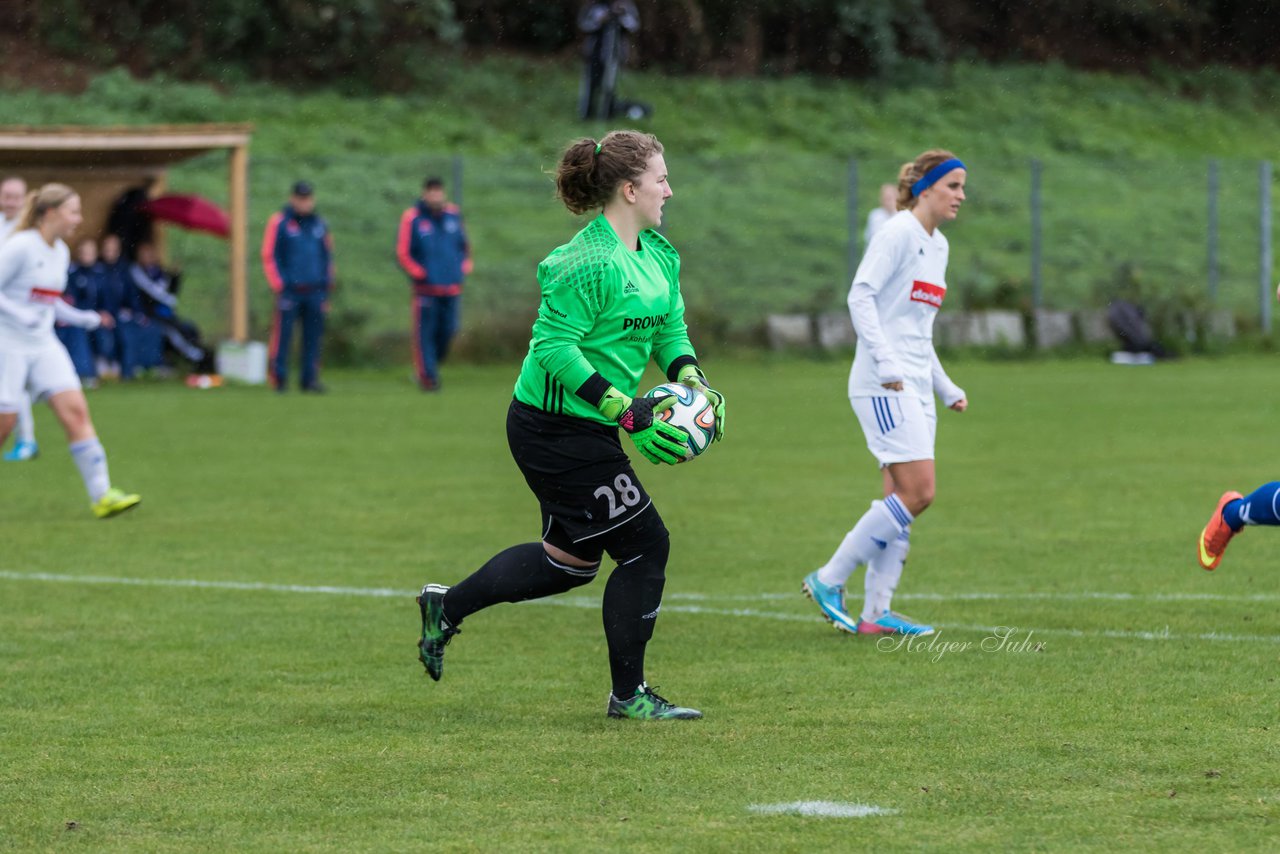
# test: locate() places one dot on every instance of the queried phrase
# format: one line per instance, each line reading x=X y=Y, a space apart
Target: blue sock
x=1260 y=507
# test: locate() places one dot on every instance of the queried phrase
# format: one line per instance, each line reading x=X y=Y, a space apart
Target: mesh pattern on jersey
x=666 y=254
x=581 y=263
x=659 y=244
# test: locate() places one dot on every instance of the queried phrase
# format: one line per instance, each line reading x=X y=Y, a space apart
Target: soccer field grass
x=232 y=665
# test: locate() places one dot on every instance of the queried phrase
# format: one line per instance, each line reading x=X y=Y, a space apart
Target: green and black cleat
x=645 y=705
x=436 y=630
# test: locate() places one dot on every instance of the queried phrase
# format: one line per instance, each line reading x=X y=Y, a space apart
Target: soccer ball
x=693 y=414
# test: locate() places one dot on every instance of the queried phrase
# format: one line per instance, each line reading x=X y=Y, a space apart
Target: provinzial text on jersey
x=643 y=322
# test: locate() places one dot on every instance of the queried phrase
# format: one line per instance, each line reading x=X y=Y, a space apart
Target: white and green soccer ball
x=693 y=414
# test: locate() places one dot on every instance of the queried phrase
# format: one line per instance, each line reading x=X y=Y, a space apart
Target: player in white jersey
x=13 y=194
x=33 y=274
x=895 y=297
x=880 y=215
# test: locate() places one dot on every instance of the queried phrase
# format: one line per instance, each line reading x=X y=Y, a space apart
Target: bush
x=297 y=42
x=385 y=44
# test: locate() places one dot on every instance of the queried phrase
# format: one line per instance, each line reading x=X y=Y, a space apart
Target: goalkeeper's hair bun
x=590 y=171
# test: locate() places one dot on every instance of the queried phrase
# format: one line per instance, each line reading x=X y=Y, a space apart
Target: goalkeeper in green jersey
x=610 y=303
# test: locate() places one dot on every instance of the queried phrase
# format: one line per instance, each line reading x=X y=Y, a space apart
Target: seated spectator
x=157 y=291
x=84 y=275
x=116 y=348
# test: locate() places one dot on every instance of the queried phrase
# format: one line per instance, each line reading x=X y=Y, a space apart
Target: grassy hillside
x=760 y=170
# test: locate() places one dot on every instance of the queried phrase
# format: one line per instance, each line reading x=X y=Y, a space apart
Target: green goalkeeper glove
x=657 y=440
x=693 y=377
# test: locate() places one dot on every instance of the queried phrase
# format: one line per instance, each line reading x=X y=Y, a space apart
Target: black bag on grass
x=1129 y=323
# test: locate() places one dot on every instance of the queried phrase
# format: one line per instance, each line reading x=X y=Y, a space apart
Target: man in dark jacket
x=297 y=256
x=432 y=248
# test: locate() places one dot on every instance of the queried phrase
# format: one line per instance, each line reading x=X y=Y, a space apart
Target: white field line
x=56 y=578
x=593 y=603
x=1118 y=634
x=821 y=809
x=1077 y=596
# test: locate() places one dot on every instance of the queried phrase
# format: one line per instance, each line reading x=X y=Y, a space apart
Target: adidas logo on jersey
x=631 y=288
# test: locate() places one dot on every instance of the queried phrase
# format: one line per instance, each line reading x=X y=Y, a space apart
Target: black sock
x=631 y=600
x=519 y=573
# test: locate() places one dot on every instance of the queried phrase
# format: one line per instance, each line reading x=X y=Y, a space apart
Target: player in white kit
x=33 y=274
x=896 y=294
x=13 y=195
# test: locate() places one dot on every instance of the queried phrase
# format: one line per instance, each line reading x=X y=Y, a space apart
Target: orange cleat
x=1216 y=534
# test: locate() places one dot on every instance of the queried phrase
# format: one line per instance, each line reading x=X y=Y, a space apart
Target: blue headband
x=931 y=177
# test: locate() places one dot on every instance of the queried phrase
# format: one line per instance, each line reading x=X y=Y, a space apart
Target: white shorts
x=899 y=429
x=42 y=373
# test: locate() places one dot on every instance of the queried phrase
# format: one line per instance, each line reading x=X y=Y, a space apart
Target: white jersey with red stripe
x=905 y=270
x=33 y=275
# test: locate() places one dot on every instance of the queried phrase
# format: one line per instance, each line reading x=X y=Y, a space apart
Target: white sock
x=878 y=527
x=92 y=462
x=26 y=431
x=883 y=573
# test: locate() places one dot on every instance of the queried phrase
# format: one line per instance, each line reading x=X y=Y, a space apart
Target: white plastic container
x=246 y=363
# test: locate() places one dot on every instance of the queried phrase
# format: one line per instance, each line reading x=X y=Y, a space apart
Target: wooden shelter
x=102 y=162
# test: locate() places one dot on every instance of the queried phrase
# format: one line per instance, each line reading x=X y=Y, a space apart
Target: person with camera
x=606 y=26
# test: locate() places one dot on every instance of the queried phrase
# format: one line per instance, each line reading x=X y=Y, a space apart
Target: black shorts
x=581 y=476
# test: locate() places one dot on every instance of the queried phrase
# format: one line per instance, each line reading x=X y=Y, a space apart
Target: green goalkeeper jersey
x=605 y=310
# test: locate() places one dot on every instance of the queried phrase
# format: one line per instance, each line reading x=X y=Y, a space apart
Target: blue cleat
x=890 y=623
x=22 y=451
x=831 y=601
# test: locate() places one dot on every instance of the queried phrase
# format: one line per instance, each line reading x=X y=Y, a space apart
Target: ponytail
x=40 y=202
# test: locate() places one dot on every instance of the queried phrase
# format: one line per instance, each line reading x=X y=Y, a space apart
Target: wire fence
x=762 y=234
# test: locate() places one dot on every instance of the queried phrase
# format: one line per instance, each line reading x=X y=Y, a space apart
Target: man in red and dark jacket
x=432 y=248
x=297 y=256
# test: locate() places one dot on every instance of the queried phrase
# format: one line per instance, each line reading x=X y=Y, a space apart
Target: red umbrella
x=193 y=212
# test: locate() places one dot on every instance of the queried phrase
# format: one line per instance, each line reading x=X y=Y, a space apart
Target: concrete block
x=1094 y=328
x=788 y=331
x=979 y=329
x=1221 y=324
x=1053 y=329
x=951 y=329
x=1000 y=328
x=835 y=331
